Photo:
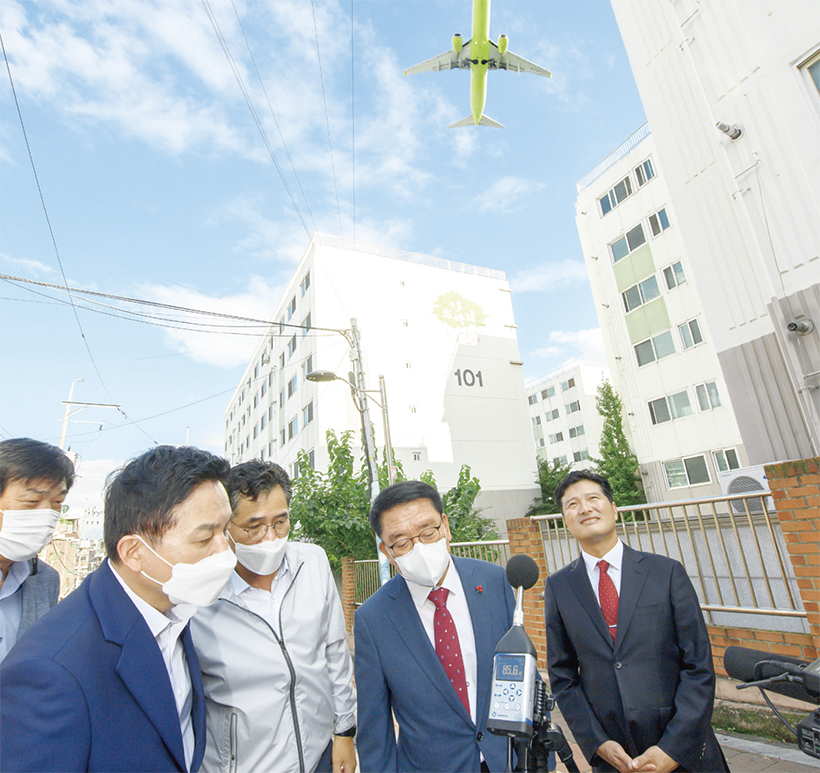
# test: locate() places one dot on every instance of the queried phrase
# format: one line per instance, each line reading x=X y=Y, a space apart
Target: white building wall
x=748 y=209
x=441 y=333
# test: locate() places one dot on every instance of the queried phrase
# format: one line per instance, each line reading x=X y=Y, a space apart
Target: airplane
x=479 y=54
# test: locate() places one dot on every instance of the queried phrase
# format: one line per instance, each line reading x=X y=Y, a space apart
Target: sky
x=168 y=170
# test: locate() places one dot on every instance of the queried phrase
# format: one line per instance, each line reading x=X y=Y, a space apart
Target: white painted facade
x=659 y=342
x=747 y=210
x=566 y=425
x=443 y=336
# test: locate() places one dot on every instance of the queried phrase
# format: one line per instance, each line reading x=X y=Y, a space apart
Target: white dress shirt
x=614 y=558
x=166 y=629
x=460 y=612
x=11 y=605
x=266 y=604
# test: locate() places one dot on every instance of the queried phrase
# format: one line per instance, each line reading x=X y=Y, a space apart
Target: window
x=690 y=334
x=659 y=222
x=282 y=437
x=674 y=406
x=307 y=414
x=551 y=415
x=291 y=307
x=629 y=242
x=282 y=399
x=282 y=360
x=307 y=367
x=557 y=437
x=578 y=456
x=292 y=386
x=655 y=348
x=292 y=346
x=264 y=388
x=536 y=421
x=294 y=471
x=574 y=406
x=306 y=325
x=405 y=323
x=312 y=459
x=255 y=372
x=271 y=446
x=255 y=431
x=282 y=324
x=263 y=422
x=686 y=472
x=576 y=431
x=726 y=459
x=540 y=442
x=305 y=284
x=408 y=365
x=708 y=396
x=270 y=412
x=256 y=400
x=615 y=196
x=557 y=460
x=532 y=399
x=568 y=384
x=674 y=275
x=416 y=456
x=641 y=293
x=413 y=409
x=812 y=69
x=644 y=173
x=293 y=427
x=548 y=392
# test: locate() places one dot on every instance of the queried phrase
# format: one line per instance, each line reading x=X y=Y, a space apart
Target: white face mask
x=263 y=558
x=198 y=584
x=26 y=532
x=425 y=564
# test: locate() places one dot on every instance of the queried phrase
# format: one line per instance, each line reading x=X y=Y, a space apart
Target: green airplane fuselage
x=479 y=51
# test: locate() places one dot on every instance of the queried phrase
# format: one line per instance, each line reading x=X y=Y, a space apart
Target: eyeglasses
x=427 y=537
x=257 y=532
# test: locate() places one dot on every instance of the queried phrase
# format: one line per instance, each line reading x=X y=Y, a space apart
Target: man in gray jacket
x=34 y=480
x=275 y=663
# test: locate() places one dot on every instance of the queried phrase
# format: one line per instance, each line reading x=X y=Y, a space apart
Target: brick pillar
x=348 y=592
x=795 y=488
x=525 y=537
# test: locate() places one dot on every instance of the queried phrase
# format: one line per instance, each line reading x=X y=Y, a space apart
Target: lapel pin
x=479 y=589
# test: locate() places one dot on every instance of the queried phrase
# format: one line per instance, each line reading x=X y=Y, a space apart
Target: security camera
x=733 y=132
x=801 y=327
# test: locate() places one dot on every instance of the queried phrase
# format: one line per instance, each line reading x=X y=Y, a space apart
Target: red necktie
x=608 y=598
x=448 y=647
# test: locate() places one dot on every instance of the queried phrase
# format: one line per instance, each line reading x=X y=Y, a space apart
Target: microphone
x=515 y=663
x=747 y=665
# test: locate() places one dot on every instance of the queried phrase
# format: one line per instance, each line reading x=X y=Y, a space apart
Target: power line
x=353 y=117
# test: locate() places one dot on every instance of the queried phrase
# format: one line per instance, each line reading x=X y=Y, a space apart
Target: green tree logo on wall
x=456 y=311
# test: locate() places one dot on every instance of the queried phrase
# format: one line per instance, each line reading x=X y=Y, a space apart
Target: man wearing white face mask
x=425 y=643
x=34 y=480
x=109 y=679
x=275 y=662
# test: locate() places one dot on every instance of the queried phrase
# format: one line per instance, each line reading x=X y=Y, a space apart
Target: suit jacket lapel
x=140 y=666
x=578 y=580
x=405 y=619
x=484 y=645
x=197 y=698
x=633 y=577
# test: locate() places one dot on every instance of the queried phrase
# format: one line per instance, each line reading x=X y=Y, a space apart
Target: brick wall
x=348 y=592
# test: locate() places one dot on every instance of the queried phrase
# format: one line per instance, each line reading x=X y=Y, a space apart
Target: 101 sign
x=469 y=378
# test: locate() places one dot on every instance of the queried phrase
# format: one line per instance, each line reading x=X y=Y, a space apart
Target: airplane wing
x=449 y=60
x=514 y=63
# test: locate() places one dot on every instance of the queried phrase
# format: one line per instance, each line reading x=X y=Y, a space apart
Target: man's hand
x=343 y=755
x=654 y=760
x=614 y=754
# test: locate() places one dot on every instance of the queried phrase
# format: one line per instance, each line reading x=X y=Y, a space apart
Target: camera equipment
x=519 y=702
x=784 y=675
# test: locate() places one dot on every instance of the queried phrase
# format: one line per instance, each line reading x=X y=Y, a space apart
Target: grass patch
x=749 y=719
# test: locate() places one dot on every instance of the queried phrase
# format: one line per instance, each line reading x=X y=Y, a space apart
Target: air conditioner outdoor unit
x=745 y=480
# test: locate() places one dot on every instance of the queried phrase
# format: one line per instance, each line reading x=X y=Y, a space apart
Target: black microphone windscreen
x=740 y=663
x=522 y=571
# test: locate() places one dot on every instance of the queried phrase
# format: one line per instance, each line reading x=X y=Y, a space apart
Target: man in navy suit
x=428 y=660
x=627 y=648
x=109 y=679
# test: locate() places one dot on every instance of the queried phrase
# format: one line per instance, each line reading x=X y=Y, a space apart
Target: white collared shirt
x=166 y=630
x=266 y=604
x=614 y=558
x=460 y=612
x=11 y=605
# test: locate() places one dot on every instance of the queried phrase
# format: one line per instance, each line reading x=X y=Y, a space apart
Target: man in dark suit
x=34 y=480
x=627 y=648
x=428 y=661
x=109 y=679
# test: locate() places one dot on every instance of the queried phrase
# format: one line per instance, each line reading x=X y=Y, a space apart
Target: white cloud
x=28 y=266
x=505 y=193
x=576 y=344
x=549 y=277
x=89 y=483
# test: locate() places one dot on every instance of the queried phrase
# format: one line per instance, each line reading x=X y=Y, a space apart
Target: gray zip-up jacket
x=274 y=703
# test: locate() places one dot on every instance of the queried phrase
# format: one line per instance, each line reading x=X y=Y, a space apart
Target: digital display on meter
x=510 y=668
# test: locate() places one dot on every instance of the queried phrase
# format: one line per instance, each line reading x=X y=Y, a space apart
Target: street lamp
x=320 y=376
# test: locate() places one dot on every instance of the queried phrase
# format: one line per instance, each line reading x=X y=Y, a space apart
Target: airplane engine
x=502 y=44
x=457 y=42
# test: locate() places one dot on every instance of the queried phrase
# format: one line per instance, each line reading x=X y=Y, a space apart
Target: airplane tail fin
x=470 y=121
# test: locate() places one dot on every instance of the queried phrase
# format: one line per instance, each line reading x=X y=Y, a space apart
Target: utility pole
x=82 y=406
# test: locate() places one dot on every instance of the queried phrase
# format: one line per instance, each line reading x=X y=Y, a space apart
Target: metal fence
x=731 y=547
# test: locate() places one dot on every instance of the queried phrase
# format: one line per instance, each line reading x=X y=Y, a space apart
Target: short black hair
x=141 y=496
x=253 y=478
x=399 y=494
x=578 y=475
x=26 y=460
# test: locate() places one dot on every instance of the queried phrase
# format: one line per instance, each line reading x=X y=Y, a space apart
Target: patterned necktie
x=608 y=598
x=448 y=647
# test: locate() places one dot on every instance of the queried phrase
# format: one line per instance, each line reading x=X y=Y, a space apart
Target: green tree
x=466 y=522
x=550 y=474
x=617 y=463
